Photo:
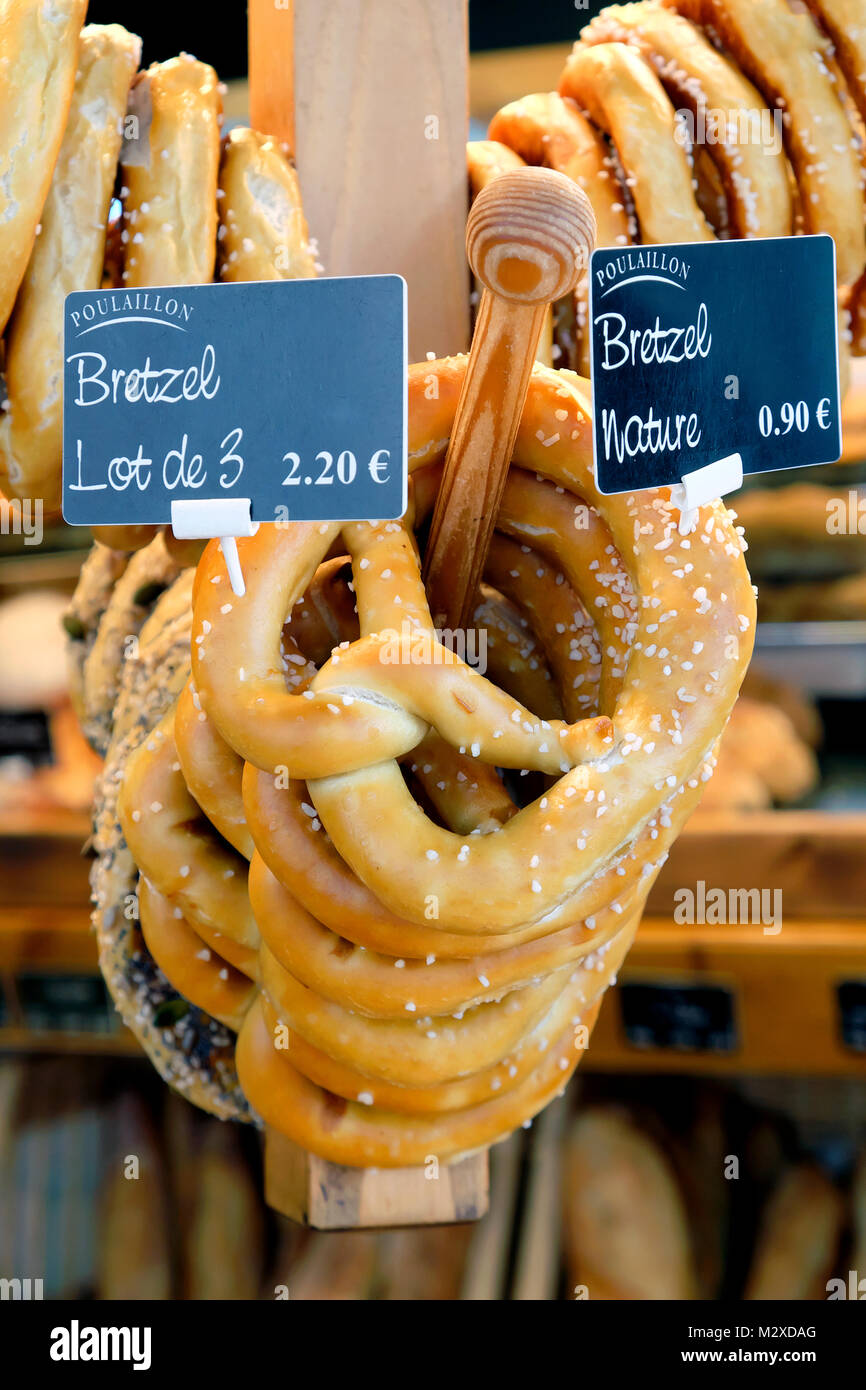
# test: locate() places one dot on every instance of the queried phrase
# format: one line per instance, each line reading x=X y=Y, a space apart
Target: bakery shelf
x=823 y=658
x=816 y=858
x=725 y=1000
x=80 y=1044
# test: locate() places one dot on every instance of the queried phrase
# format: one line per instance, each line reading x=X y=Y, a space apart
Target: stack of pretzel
x=686 y=120
x=83 y=133
x=444 y=869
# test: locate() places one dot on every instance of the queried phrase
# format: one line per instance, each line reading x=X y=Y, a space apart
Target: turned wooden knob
x=530 y=235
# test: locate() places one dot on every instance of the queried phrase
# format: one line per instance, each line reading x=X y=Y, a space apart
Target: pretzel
x=149 y=572
x=622 y=95
x=212 y=771
x=37 y=74
x=352 y=1134
x=197 y=972
x=349 y=959
x=241 y=635
x=514 y=659
x=189 y=1048
x=170 y=202
x=68 y=255
x=302 y=858
x=568 y=635
x=486 y=160
x=843 y=21
x=174 y=847
x=754 y=176
x=367 y=982
x=263 y=232
x=783 y=55
x=548 y=129
x=459 y=1095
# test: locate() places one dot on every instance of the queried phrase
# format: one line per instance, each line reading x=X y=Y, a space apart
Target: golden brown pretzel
x=351 y=1084
x=622 y=95
x=843 y=21
x=38 y=56
x=68 y=255
x=238 y=643
x=196 y=972
x=548 y=129
x=487 y=159
x=698 y=78
x=170 y=202
x=367 y=982
x=212 y=771
x=416 y=1050
x=174 y=846
x=355 y=1134
x=263 y=232
x=782 y=54
x=360 y=978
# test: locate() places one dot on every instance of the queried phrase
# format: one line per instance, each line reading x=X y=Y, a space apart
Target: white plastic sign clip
x=705 y=485
x=226 y=517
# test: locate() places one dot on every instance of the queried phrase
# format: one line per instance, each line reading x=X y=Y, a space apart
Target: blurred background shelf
x=823 y=659
x=729 y=1000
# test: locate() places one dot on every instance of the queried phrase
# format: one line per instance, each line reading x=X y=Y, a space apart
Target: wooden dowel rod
x=529 y=238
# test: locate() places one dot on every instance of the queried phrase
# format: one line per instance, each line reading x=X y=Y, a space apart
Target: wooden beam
x=379 y=137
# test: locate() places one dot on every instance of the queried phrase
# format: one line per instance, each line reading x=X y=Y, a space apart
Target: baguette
x=798 y=1239
x=38 y=57
x=68 y=255
x=625 y=1223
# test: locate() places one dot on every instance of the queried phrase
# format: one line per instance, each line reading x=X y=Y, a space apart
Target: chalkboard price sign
x=852 y=1014
x=683 y=1017
x=291 y=394
x=703 y=351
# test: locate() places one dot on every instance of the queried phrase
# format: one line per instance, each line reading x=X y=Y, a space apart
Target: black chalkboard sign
x=702 y=351
x=688 y=1018
x=852 y=1014
x=289 y=393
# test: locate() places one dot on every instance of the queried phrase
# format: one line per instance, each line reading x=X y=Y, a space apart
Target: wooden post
x=372 y=99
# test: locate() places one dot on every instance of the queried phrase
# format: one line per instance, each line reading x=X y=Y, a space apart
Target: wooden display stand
x=317 y=1193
